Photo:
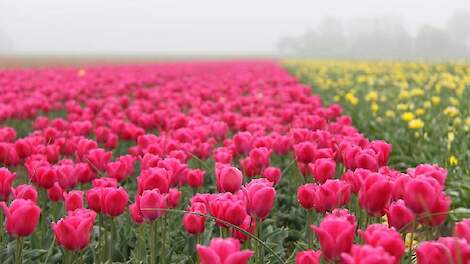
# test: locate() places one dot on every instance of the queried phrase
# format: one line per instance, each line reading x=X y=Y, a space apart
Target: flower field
x=236 y=162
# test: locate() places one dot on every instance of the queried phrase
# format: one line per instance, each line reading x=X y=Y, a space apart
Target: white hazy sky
x=187 y=26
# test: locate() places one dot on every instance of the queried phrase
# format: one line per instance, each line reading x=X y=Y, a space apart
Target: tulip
x=223 y=251
x=73 y=200
x=330 y=195
x=248 y=225
x=135 y=213
x=459 y=249
x=94 y=197
x=243 y=142
x=55 y=193
x=45 y=176
x=305 y=152
x=308 y=257
x=73 y=232
x=260 y=198
x=273 y=174
x=378 y=235
x=173 y=198
x=228 y=179
x=84 y=172
x=153 y=178
x=421 y=194
x=260 y=157
x=431 y=252
x=25 y=191
x=152 y=204
x=66 y=176
x=194 y=222
x=113 y=201
x=6 y=180
x=323 y=169
x=336 y=236
x=368 y=255
x=98 y=158
x=117 y=170
x=227 y=209
x=399 y=215
x=22 y=217
x=306 y=195
x=375 y=194
x=462 y=229
x=195 y=178
x=434 y=171
x=249 y=167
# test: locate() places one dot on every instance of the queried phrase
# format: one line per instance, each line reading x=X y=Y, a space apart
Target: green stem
x=309 y=232
x=259 y=248
x=153 y=242
x=112 y=239
x=19 y=251
x=164 y=234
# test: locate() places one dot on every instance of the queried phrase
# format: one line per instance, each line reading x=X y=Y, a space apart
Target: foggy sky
x=188 y=26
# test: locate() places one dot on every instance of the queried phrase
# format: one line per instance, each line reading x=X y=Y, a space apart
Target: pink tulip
x=73 y=200
x=260 y=197
x=323 y=169
x=6 y=180
x=330 y=195
x=228 y=179
x=25 y=191
x=462 y=229
x=73 y=232
x=22 y=217
x=223 y=251
x=308 y=257
x=378 y=235
x=336 y=236
x=195 y=178
x=399 y=216
x=368 y=255
x=375 y=194
x=113 y=201
x=273 y=174
x=152 y=204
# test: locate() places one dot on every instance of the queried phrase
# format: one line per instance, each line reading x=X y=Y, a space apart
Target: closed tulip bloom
x=260 y=198
x=228 y=179
x=330 y=195
x=114 y=201
x=383 y=149
x=438 y=213
x=432 y=252
x=45 y=176
x=462 y=229
x=153 y=178
x=84 y=172
x=459 y=249
x=6 y=180
x=173 y=198
x=152 y=204
x=273 y=174
x=73 y=200
x=306 y=195
x=249 y=167
x=305 y=152
x=223 y=251
x=98 y=158
x=73 y=232
x=375 y=194
x=399 y=215
x=434 y=171
x=421 y=194
x=55 y=193
x=355 y=178
x=308 y=257
x=248 y=225
x=25 y=191
x=66 y=176
x=243 y=142
x=367 y=255
x=195 y=223
x=378 y=235
x=323 y=169
x=22 y=217
x=93 y=198
x=228 y=210
x=195 y=178
x=117 y=170
x=366 y=160
x=260 y=157
x=135 y=213
x=336 y=236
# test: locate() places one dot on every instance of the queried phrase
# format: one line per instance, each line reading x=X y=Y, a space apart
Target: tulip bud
x=22 y=217
x=308 y=257
x=73 y=232
x=73 y=200
x=223 y=251
x=228 y=179
x=6 y=180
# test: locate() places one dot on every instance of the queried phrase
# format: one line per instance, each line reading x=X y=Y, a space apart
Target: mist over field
x=364 y=28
